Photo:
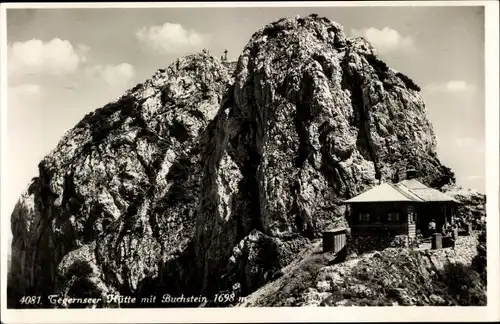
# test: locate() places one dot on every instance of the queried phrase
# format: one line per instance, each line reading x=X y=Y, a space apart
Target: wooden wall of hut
x=378 y=222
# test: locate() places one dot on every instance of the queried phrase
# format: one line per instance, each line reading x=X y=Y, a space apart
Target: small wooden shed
x=334 y=240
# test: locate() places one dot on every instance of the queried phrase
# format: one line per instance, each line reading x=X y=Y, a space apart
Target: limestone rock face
x=117 y=197
x=473 y=203
x=313 y=118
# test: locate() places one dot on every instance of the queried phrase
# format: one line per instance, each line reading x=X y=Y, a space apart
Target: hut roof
x=383 y=192
x=423 y=192
x=413 y=184
x=406 y=190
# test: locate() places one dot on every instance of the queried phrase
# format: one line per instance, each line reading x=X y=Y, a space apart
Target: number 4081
x=30 y=300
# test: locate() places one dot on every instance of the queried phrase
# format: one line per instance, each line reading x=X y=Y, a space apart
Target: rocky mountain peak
x=313 y=118
x=118 y=194
x=202 y=177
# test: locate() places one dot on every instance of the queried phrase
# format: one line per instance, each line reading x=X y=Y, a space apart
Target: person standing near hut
x=432 y=227
x=446 y=228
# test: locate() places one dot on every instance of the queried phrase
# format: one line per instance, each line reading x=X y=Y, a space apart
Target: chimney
x=411 y=174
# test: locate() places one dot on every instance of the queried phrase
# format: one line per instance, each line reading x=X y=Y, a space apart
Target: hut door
x=412 y=221
x=413 y=218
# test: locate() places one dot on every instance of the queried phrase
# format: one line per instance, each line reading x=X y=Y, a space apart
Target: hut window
x=393 y=217
x=364 y=217
x=412 y=217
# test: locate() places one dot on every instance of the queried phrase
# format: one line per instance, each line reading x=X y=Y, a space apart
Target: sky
x=65 y=63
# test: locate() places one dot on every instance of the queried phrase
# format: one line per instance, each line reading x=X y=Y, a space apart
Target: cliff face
x=117 y=198
x=313 y=118
x=473 y=204
x=200 y=182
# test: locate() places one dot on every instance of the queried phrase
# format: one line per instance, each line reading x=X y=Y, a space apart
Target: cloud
x=170 y=38
x=456 y=85
x=53 y=57
x=385 y=40
x=452 y=86
x=113 y=75
x=82 y=51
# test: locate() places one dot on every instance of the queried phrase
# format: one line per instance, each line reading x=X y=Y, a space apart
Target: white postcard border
x=305 y=314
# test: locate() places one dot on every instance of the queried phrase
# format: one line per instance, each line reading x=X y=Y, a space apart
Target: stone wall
x=363 y=244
